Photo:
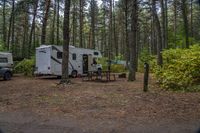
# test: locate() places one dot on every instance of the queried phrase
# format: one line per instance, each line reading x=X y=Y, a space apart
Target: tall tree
x=175 y=20
x=126 y=31
x=159 y=34
x=166 y=23
x=52 y=36
x=110 y=47
x=74 y=22
x=104 y=43
x=115 y=37
x=133 y=43
x=163 y=23
x=44 y=21
x=191 y=18
x=185 y=20
x=58 y=22
x=25 y=30
x=81 y=7
x=10 y=25
x=66 y=37
x=13 y=27
x=93 y=21
x=30 y=47
x=4 y=22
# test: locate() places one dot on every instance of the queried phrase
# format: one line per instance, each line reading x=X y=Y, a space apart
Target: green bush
x=116 y=68
x=181 y=68
x=25 y=66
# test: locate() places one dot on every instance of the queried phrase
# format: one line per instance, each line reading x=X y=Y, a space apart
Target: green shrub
x=25 y=66
x=103 y=62
x=181 y=68
x=118 y=68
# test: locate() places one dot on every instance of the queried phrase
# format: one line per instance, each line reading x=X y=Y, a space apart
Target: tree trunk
x=44 y=22
x=13 y=28
x=114 y=31
x=93 y=23
x=74 y=25
x=191 y=18
x=81 y=2
x=185 y=20
x=52 y=36
x=104 y=36
x=32 y=28
x=166 y=24
x=133 y=44
x=110 y=31
x=4 y=23
x=163 y=23
x=58 y=22
x=66 y=38
x=175 y=21
x=10 y=25
x=25 y=28
x=126 y=32
x=159 y=33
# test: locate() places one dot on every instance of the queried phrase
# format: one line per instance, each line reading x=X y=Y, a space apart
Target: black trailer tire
x=7 y=76
x=74 y=74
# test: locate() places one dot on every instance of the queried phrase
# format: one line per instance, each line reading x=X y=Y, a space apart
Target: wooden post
x=146 y=77
x=109 y=69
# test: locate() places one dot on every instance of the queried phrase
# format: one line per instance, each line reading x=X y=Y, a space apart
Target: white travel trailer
x=6 y=59
x=6 y=64
x=49 y=60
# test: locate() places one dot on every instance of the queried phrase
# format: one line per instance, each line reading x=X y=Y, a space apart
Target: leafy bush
x=116 y=68
x=25 y=66
x=103 y=62
x=181 y=68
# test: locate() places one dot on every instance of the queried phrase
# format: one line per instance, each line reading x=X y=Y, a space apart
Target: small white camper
x=6 y=59
x=6 y=64
x=49 y=60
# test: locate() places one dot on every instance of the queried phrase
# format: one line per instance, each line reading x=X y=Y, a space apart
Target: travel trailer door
x=90 y=63
x=85 y=64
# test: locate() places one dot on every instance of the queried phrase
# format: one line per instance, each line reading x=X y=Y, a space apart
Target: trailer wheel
x=74 y=74
x=7 y=76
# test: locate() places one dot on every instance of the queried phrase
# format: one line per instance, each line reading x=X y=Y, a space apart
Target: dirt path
x=35 y=105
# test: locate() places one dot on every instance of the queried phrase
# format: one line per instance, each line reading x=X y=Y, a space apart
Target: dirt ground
x=39 y=105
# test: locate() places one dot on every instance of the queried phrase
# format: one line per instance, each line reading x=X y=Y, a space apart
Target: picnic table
x=105 y=76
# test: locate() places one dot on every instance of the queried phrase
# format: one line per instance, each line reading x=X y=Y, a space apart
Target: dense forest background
x=98 y=24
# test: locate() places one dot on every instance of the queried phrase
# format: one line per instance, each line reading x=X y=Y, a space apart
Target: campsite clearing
x=40 y=105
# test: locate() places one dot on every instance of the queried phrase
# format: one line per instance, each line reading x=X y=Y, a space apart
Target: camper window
x=3 y=60
x=59 y=55
x=73 y=56
x=96 y=53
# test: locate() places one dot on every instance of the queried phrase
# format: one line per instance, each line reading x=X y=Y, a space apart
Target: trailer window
x=96 y=53
x=3 y=60
x=59 y=55
x=73 y=56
